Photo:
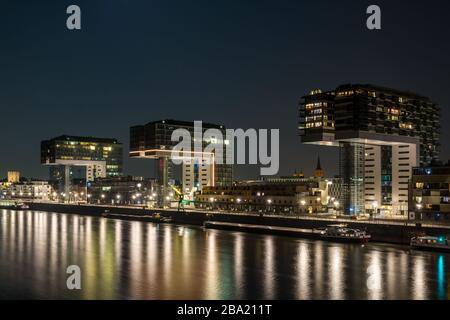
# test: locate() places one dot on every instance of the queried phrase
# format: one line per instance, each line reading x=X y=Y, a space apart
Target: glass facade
x=71 y=148
x=386 y=175
x=371 y=109
x=157 y=136
x=352 y=116
x=351 y=170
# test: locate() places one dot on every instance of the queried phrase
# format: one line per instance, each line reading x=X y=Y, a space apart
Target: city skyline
x=207 y=155
x=122 y=68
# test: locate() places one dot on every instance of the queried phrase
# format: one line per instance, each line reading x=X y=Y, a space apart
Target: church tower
x=319 y=173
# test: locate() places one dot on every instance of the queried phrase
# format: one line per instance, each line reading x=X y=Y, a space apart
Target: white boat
x=20 y=206
x=431 y=243
x=342 y=233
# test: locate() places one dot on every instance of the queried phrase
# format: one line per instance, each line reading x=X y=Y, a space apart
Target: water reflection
x=441 y=278
x=136 y=260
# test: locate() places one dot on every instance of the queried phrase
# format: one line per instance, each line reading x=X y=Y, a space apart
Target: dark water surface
x=138 y=260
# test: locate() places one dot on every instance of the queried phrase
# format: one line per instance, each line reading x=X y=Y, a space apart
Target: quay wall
x=382 y=232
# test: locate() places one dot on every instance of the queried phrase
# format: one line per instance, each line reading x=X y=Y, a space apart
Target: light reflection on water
x=136 y=260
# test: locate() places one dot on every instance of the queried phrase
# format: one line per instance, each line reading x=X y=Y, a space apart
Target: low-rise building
x=123 y=190
x=286 y=195
x=28 y=190
x=13 y=176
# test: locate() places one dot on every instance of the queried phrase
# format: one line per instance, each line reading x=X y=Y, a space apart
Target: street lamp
x=419 y=207
x=375 y=207
x=336 y=207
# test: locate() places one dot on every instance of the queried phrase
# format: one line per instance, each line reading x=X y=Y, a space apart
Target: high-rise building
x=153 y=141
x=430 y=193
x=91 y=157
x=382 y=133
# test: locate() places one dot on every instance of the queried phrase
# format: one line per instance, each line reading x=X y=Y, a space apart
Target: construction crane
x=180 y=195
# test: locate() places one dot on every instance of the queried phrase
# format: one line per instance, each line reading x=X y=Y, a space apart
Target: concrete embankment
x=390 y=233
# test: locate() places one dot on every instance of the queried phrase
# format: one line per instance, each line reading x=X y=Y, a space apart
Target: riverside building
x=381 y=134
x=292 y=195
x=153 y=141
x=88 y=158
x=430 y=193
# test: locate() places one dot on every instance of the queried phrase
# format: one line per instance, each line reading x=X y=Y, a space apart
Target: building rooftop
x=83 y=139
x=370 y=87
x=184 y=123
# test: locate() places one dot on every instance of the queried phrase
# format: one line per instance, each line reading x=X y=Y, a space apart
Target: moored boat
x=431 y=243
x=342 y=233
x=20 y=206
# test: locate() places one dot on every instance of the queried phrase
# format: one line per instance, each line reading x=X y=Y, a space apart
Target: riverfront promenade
x=398 y=232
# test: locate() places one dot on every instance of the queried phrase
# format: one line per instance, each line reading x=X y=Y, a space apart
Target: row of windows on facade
x=258 y=201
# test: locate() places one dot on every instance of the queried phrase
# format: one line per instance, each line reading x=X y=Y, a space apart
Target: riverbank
x=395 y=233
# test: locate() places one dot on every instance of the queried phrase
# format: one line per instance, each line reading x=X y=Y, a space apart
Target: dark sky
x=238 y=62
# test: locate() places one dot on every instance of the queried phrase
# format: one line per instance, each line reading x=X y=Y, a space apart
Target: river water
x=139 y=260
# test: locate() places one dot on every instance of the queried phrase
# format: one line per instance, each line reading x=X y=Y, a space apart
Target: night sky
x=241 y=63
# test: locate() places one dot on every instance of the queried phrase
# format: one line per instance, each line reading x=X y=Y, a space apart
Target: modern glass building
x=82 y=157
x=153 y=140
x=382 y=134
